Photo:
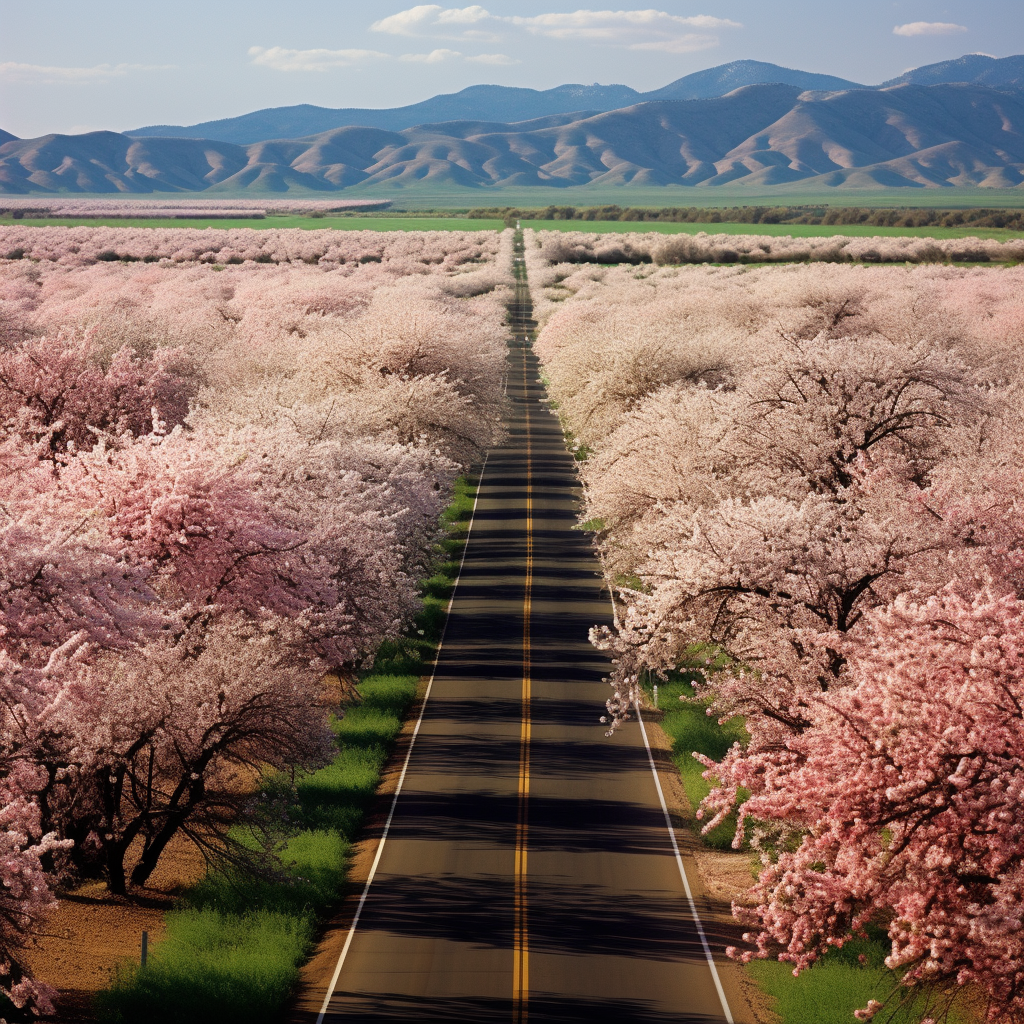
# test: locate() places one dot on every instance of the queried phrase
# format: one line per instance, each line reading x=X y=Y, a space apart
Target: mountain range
x=908 y=135
x=498 y=103
x=809 y=130
x=508 y=104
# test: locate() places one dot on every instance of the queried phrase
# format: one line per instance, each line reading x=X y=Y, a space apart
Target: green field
x=412 y=223
x=429 y=196
x=793 y=230
x=349 y=223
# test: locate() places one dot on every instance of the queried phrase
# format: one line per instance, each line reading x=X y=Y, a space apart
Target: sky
x=68 y=66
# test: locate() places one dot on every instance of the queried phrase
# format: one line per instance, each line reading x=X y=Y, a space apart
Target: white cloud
x=438 y=56
x=434 y=57
x=638 y=29
x=39 y=74
x=493 y=58
x=280 y=59
x=649 y=30
x=928 y=28
x=426 y=17
x=610 y=25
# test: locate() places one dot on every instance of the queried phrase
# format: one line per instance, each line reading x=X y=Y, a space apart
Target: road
x=528 y=873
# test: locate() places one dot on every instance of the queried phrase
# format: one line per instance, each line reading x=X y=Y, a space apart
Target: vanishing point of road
x=528 y=872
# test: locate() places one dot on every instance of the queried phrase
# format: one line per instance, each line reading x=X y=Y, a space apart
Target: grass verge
x=233 y=947
x=690 y=729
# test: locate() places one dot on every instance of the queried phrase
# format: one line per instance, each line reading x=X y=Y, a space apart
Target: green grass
x=233 y=947
x=831 y=990
x=212 y=966
x=341 y=223
x=434 y=196
x=775 y=230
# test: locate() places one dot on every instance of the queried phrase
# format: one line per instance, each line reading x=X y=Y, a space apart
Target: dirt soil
x=91 y=932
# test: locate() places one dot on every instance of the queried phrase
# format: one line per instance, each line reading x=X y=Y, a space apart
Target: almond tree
x=62 y=587
x=837 y=511
x=25 y=893
x=166 y=741
x=84 y=246
x=645 y=247
x=55 y=389
x=814 y=522
x=901 y=795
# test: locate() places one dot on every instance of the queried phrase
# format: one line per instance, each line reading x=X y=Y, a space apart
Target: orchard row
x=218 y=488
x=668 y=250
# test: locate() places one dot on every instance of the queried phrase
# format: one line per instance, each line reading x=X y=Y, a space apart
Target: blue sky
x=73 y=66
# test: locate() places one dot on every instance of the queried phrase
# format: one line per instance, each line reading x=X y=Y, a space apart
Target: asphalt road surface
x=528 y=873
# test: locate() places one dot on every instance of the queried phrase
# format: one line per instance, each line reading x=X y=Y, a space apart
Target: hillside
x=763 y=135
x=973 y=68
x=109 y=162
x=726 y=77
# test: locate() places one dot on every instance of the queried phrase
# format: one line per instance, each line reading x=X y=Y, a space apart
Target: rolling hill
x=763 y=135
x=702 y=85
x=973 y=69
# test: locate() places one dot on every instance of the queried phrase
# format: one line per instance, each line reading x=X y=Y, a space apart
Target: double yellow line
x=521 y=941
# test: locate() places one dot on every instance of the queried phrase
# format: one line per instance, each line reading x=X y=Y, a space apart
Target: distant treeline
x=893 y=218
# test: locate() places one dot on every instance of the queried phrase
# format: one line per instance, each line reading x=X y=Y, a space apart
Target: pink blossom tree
x=25 y=893
x=812 y=512
x=258 y=524
x=784 y=472
x=164 y=741
x=901 y=794
x=187 y=545
x=56 y=389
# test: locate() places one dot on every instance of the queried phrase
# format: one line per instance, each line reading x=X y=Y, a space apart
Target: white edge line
x=405 y=767
x=679 y=857
x=682 y=873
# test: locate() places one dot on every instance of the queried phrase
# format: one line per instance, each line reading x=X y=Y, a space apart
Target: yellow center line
x=521 y=963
